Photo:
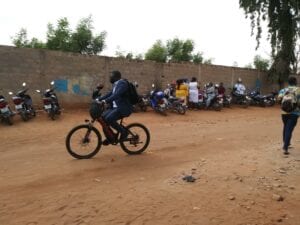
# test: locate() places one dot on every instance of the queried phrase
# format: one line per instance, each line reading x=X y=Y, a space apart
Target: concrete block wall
x=76 y=75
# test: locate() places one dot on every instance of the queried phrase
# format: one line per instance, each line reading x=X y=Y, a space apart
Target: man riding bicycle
x=119 y=104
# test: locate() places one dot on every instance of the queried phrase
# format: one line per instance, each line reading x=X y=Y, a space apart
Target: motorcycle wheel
x=271 y=103
x=200 y=106
x=227 y=104
x=52 y=114
x=9 y=121
x=33 y=113
x=245 y=104
x=88 y=140
x=181 y=109
x=217 y=106
x=161 y=111
x=24 y=116
x=143 y=108
x=263 y=104
x=137 y=140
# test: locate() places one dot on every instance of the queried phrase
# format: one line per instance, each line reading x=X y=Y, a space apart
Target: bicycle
x=91 y=136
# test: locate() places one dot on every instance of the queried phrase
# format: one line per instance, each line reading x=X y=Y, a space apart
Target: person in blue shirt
x=290 y=119
x=119 y=104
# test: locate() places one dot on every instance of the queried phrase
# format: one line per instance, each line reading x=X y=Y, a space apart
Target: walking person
x=290 y=104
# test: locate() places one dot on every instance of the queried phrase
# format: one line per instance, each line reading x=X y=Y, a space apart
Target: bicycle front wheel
x=138 y=139
x=83 y=142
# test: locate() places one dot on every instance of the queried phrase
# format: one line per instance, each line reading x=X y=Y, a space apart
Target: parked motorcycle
x=271 y=98
x=6 y=115
x=158 y=101
x=215 y=104
x=23 y=104
x=174 y=104
x=51 y=105
x=143 y=103
x=257 y=98
x=227 y=101
x=240 y=99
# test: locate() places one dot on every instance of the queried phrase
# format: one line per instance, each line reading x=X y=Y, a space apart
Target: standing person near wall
x=290 y=104
x=182 y=90
x=239 y=88
x=221 y=89
x=193 y=92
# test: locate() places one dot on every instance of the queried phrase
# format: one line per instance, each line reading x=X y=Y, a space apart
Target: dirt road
x=234 y=154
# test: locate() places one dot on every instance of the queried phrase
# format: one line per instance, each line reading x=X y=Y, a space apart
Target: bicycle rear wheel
x=83 y=141
x=137 y=140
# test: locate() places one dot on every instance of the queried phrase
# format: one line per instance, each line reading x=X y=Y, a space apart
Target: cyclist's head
x=194 y=79
x=239 y=80
x=292 y=81
x=114 y=76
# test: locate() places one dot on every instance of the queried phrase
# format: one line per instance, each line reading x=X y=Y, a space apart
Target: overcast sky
x=218 y=27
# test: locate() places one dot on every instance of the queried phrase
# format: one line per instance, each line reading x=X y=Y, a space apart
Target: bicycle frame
x=107 y=130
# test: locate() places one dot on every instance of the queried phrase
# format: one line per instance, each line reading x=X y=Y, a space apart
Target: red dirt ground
x=234 y=154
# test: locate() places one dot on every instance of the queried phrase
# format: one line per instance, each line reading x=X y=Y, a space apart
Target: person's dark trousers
x=111 y=116
x=289 y=123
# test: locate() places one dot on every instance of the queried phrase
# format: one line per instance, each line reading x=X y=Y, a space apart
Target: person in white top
x=193 y=92
x=239 y=87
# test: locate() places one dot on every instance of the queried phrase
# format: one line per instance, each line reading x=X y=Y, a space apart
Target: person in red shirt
x=221 y=89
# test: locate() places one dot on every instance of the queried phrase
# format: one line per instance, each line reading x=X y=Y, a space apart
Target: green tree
x=83 y=41
x=59 y=38
x=283 y=29
x=20 y=40
x=62 y=38
x=197 y=58
x=158 y=52
x=261 y=63
x=180 y=50
x=248 y=66
x=208 y=61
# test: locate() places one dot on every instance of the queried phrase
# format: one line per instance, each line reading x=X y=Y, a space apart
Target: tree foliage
x=261 y=63
x=158 y=52
x=296 y=64
x=20 y=40
x=180 y=50
x=283 y=29
x=208 y=61
x=175 y=50
x=61 y=37
x=198 y=58
x=83 y=41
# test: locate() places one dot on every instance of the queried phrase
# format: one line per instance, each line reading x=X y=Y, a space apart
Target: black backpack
x=132 y=93
x=289 y=100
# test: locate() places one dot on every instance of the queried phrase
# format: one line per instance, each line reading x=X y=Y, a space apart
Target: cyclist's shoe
x=106 y=142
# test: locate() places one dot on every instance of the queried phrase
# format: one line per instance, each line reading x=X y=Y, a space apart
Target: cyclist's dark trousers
x=111 y=116
x=289 y=123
